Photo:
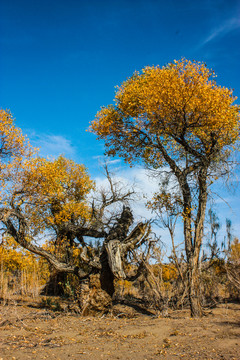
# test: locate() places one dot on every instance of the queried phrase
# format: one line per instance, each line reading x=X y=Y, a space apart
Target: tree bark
x=106 y=275
x=194 y=287
x=193 y=247
x=108 y=266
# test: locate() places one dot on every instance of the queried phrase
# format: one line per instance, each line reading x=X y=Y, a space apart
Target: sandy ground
x=30 y=332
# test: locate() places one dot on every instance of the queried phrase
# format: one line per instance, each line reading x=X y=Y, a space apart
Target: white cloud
x=102 y=159
x=228 y=26
x=145 y=186
x=140 y=181
x=137 y=180
x=52 y=145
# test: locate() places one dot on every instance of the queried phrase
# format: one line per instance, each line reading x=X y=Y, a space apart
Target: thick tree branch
x=21 y=237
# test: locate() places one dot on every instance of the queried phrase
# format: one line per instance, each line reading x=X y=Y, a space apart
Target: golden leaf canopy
x=47 y=191
x=57 y=189
x=179 y=106
x=12 y=142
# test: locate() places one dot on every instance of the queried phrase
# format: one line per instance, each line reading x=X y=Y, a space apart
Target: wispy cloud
x=228 y=26
x=102 y=159
x=146 y=185
x=52 y=145
x=138 y=179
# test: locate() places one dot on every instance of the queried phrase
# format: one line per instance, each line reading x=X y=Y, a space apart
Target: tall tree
x=176 y=116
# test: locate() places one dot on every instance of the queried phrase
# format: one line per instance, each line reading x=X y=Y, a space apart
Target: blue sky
x=61 y=60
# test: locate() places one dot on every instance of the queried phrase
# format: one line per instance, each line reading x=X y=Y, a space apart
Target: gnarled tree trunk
x=107 y=267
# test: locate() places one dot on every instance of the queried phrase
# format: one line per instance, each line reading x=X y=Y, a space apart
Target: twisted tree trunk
x=108 y=267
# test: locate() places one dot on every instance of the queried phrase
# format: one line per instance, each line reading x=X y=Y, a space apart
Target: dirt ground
x=30 y=332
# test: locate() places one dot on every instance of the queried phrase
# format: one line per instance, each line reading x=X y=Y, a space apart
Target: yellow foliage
x=235 y=251
x=167 y=272
x=14 y=259
x=165 y=202
x=45 y=193
x=61 y=248
x=52 y=191
x=169 y=107
x=14 y=148
x=48 y=191
x=12 y=142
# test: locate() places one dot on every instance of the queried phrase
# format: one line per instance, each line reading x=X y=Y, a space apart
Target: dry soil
x=30 y=332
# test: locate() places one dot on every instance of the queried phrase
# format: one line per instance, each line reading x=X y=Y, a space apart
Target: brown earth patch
x=30 y=332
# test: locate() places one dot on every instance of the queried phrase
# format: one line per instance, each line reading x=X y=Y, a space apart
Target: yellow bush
x=21 y=272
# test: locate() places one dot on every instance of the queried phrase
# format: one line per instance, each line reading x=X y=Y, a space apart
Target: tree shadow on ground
x=135 y=304
x=231 y=323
